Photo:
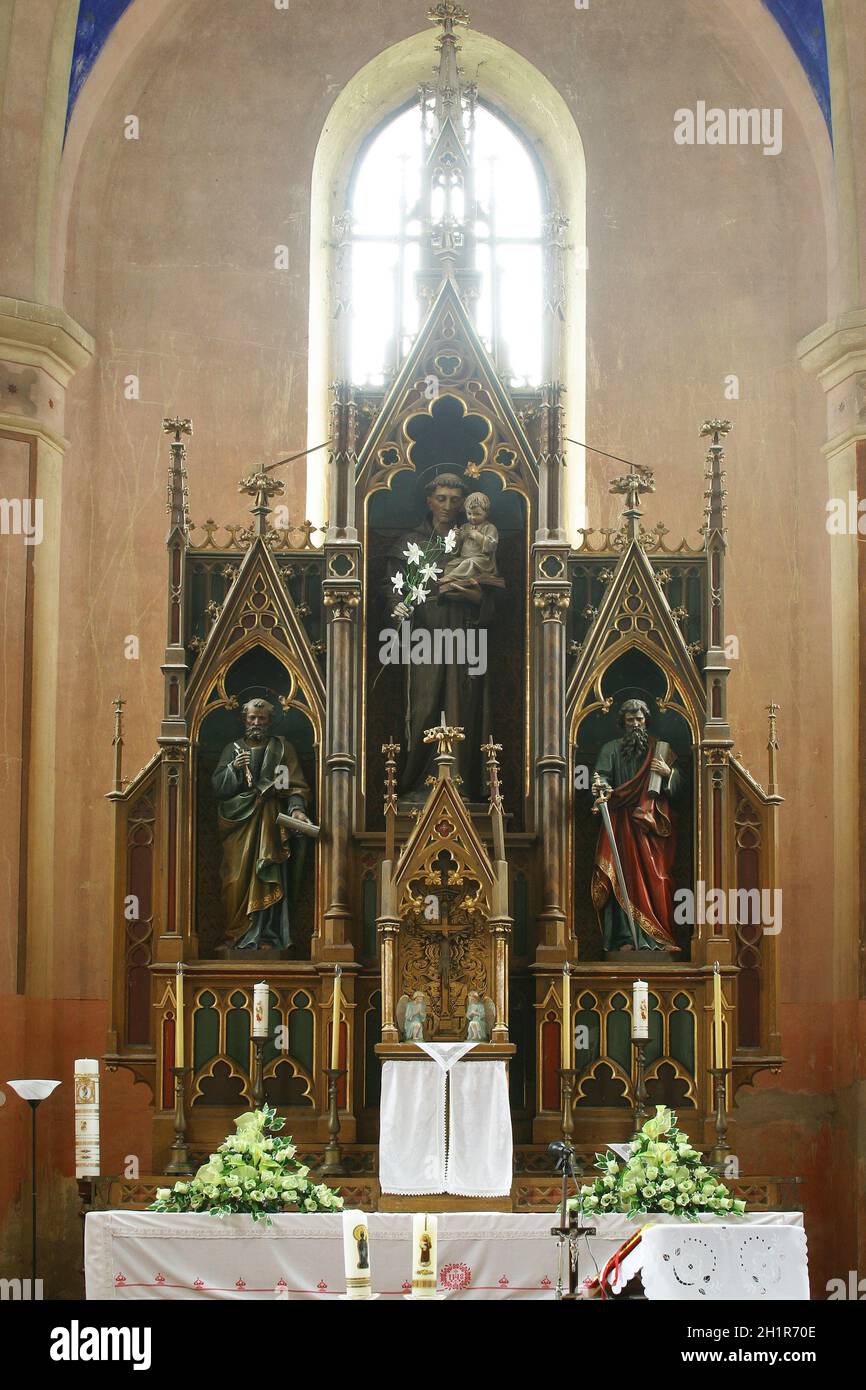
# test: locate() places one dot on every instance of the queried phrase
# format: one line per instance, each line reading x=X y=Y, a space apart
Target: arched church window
x=425 y=191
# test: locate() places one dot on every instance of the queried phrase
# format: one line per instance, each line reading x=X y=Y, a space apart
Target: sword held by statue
x=602 y=793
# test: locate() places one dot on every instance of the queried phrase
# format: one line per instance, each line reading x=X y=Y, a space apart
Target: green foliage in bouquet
x=663 y=1174
x=251 y=1172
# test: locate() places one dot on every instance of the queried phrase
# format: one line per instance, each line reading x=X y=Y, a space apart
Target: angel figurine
x=412 y=1016
x=480 y=1017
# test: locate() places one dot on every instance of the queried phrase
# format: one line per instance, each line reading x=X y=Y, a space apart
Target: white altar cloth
x=156 y=1255
x=728 y=1261
x=415 y=1157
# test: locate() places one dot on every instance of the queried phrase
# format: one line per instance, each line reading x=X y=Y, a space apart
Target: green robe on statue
x=256 y=851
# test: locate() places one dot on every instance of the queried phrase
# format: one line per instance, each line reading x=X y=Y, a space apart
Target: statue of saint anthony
x=450 y=679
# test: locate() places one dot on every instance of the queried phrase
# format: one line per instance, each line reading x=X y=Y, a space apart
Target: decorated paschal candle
x=260 y=1009
x=87 y=1118
x=640 y=1011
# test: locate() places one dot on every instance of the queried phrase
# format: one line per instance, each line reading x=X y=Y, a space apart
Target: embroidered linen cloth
x=719 y=1262
x=415 y=1157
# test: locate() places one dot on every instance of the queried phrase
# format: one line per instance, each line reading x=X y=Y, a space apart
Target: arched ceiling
x=802 y=22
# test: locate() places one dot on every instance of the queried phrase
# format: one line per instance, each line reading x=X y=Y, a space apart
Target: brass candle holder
x=333 y=1165
x=640 y=1091
x=720 y=1150
x=180 y=1161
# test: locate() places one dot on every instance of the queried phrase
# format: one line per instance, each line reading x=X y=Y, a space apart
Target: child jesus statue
x=475 y=555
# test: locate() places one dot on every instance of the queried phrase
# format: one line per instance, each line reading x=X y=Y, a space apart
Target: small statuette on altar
x=87 y=1118
x=640 y=1011
x=424 y=1264
x=412 y=1016
x=356 y=1255
x=260 y=1010
x=480 y=1017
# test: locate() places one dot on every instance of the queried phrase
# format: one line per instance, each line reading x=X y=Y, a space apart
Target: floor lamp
x=34 y=1092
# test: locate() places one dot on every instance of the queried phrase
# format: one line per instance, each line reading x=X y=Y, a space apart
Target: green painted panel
x=682 y=1034
x=238 y=1036
x=301 y=1036
x=206 y=1032
x=619 y=1033
x=655 y=1028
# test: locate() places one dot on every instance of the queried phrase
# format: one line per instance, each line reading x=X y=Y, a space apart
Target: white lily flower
x=413 y=553
x=450 y=541
x=421 y=594
x=397 y=581
x=429 y=572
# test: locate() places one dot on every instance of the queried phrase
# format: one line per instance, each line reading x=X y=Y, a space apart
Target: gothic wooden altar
x=262 y=610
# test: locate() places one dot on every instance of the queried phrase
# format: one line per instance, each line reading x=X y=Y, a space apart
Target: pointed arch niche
x=513 y=86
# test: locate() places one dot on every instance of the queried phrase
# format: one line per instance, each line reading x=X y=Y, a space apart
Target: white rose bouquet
x=251 y=1172
x=663 y=1174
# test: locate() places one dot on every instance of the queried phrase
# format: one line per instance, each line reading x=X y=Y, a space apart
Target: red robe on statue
x=645 y=834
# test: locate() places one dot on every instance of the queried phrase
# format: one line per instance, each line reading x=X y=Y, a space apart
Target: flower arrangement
x=662 y=1174
x=411 y=588
x=251 y=1172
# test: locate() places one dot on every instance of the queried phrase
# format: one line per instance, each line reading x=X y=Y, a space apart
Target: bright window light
x=386 y=239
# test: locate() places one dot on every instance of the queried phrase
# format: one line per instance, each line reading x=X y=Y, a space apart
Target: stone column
x=41 y=348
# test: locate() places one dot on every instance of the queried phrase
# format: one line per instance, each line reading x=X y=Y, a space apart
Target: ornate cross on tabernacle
x=632 y=486
x=445 y=928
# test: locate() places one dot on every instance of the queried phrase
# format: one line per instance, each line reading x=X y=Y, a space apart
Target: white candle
x=178 y=1017
x=640 y=1011
x=356 y=1254
x=424 y=1266
x=718 y=1050
x=567 y=1030
x=335 y=1021
x=261 y=1002
x=87 y=1118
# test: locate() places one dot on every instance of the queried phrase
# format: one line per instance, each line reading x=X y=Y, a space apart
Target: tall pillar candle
x=356 y=1255
x=424 y=1266
x=566 y=1016
x=87 y=1118
x=178 y=1017
x=640 y=1011
x=335 y=1021
x=718 y=1050
x=261 y=1006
